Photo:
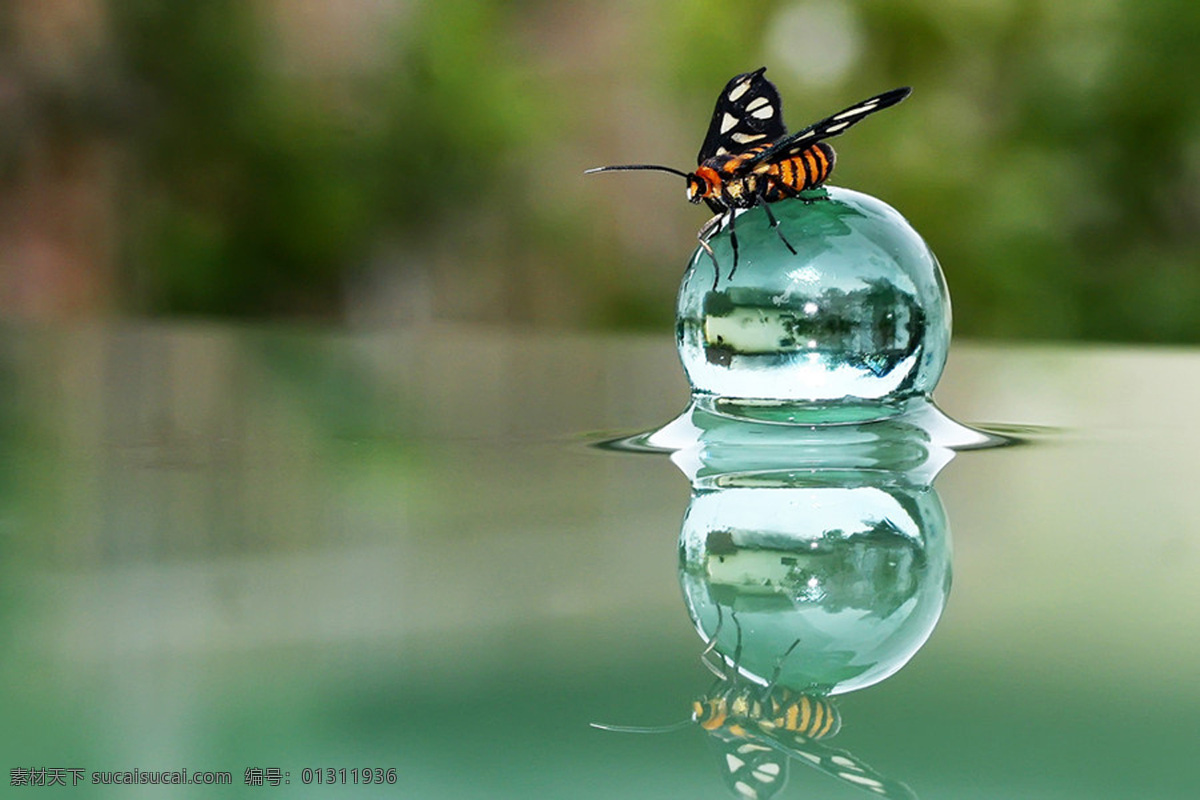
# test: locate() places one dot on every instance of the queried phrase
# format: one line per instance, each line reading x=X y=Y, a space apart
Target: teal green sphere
x=827 y=588
x=858 y=314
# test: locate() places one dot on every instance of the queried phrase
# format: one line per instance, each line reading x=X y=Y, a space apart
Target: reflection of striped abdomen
x=807 y=169
x=806 y=715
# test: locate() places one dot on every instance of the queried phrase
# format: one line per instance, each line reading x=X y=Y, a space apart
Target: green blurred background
x=378 y=163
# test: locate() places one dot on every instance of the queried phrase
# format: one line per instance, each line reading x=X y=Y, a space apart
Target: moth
x=749 y=159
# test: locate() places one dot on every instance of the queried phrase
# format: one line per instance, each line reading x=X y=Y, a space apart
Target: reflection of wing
x=755 y=763
x=748 y=113
x=838 y=763
x=751 y=769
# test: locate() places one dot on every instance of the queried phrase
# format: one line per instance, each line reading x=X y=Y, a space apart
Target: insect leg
x=707 y=229
x=705 y=233
x=712 y=640
x=712 y=257
x=737 y=648
x=727 y=672
x=711 y=667
x=779 y=669
x=775 y=224
x=705 y=654
x=733 y=243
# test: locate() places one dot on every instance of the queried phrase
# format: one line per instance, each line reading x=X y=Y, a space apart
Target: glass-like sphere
x=859 y=314
x=827 y=588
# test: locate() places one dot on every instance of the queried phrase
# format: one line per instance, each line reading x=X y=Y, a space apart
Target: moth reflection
x=758 y=730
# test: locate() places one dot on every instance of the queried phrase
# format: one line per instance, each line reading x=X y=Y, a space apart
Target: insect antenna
x=633 y=167
x=674 y=726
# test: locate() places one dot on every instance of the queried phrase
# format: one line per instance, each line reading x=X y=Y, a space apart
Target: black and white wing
x=748 y=113
x=830 y=126
x=841 y=765
x=752 y=769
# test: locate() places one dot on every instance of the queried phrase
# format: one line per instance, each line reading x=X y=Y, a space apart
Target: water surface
x=228 y=549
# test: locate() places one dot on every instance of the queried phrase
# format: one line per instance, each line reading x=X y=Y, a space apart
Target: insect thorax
x=741 y=191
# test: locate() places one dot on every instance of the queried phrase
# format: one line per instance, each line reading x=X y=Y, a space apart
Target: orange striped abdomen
x=805 y=170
